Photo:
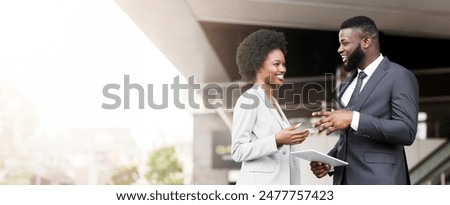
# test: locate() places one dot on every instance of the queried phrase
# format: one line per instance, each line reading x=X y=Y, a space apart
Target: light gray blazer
x=389 y=106
x=255 y=123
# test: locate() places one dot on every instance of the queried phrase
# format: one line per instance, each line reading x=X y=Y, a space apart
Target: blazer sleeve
x=244 y=144
x=401 y=126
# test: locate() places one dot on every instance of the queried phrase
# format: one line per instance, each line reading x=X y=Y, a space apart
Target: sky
x=61 y=54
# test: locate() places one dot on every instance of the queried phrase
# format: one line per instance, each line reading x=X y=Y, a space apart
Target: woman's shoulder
x=249 y=99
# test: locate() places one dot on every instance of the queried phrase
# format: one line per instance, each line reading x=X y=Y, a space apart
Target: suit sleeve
x=244 y=145
x=401 y=127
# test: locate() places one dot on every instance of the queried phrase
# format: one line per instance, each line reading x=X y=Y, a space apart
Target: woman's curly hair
x=254 y=49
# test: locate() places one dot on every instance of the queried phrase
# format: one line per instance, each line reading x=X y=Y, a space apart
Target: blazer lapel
x=283 y=116
x=342 y=87
x=269 y=106
x=373 y=81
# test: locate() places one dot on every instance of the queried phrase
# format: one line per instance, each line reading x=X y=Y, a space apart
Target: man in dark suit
x=377 y=110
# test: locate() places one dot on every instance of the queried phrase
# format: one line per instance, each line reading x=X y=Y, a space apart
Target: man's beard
x=354 y=59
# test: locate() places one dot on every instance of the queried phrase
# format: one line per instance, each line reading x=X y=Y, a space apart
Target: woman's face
x=273 y=69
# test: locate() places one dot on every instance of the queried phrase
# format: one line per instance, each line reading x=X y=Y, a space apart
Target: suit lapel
x=269 y=106
x=342 y=87
x=373 y=81
x=284 y=118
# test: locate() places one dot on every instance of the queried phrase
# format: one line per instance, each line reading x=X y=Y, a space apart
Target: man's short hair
x=364 y=23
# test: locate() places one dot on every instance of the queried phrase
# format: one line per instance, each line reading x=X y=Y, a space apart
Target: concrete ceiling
x=174 y=25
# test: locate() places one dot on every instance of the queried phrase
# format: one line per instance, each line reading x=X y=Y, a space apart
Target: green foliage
x=164 y=167
x=125 y=176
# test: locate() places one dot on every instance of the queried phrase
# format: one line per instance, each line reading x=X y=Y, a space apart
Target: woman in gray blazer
x=261 y=133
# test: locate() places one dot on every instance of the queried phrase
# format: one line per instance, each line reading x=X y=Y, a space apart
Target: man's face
x=354 y=59
x=350 y=49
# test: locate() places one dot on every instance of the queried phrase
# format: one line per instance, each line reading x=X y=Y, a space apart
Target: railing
x=434 y=169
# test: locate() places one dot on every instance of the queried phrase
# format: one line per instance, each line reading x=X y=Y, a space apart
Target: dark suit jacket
x=388 y=106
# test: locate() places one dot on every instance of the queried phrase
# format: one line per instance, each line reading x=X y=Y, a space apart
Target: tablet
x=313 y=155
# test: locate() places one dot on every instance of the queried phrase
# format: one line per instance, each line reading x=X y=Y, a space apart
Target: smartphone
x=310 y=130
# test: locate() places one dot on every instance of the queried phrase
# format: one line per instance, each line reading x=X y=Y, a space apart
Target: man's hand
x=320 y=169
x=333 y=120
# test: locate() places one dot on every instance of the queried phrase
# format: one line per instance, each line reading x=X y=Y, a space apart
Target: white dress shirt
x=348 y=92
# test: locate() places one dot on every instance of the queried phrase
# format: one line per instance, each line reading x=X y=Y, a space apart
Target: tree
x=164 y=167
x=125 y=176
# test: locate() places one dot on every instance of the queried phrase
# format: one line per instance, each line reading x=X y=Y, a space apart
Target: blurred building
x=200 y=38
x=29 y=154
x=83 y=156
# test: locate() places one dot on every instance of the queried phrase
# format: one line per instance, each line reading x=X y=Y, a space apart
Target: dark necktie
x=351 y=103
x=355 y=93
